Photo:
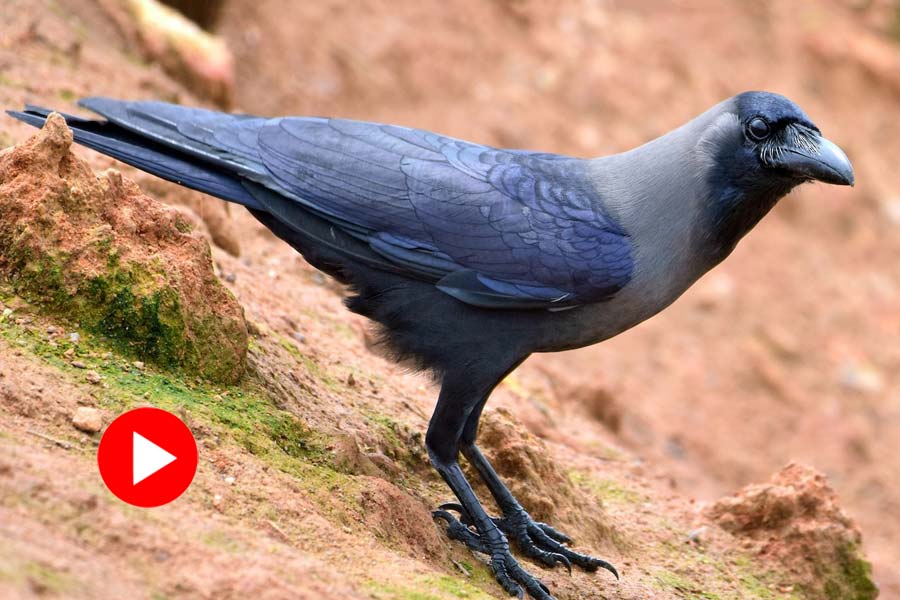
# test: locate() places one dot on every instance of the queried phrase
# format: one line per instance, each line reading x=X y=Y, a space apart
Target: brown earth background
x=787 y=352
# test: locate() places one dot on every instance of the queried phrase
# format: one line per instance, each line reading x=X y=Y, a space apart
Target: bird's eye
x=758 y=129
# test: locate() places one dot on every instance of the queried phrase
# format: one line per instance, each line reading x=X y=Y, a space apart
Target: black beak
x=826 y=163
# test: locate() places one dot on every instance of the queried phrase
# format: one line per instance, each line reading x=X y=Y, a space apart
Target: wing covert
x=495 y=227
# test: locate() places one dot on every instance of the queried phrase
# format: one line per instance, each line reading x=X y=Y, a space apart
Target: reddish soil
x=786 y=352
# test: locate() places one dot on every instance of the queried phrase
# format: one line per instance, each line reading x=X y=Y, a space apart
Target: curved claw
x=458 y=531
x=605 y=565
x=565 y=562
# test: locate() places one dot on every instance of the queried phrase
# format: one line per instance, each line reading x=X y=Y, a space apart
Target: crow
x=471 y=258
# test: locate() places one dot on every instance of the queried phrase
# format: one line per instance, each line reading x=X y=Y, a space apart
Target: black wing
x=520 y=225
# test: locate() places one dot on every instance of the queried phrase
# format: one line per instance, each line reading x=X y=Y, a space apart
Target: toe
x=557 y=535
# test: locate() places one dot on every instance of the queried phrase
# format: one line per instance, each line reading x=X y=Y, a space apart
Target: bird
x=471 y=258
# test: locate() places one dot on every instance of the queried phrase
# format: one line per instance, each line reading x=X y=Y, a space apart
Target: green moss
x=850 y=578
x=48 y=579
x=684 y=588
x=222 y=540
x=242 y=415
x=134 y=308
x=606 y=490
x=308 y=363
x=183 y=226
x=427 y=587
x=244 y=412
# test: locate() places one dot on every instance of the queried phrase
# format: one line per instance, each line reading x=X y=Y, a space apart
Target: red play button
x=147 y=457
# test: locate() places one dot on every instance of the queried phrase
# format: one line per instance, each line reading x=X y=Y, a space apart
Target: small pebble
x=861 y=377
x=229 y=480
x=87 y=419
x=5 y=314
x=138 y=364
x=69 y=353
x=891 y=209
x=93 y=377
x=230 y=277
x=299 y=337
x=51 y=329
x=74 y=337
x=78 y=364
x=696 y=535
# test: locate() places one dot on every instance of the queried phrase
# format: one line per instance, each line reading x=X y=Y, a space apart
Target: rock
x=93 y=377
x=78 y=364
x=185 y=52
x=87 y=419
x=890 y=208
x=796 y=518
x=861 y=377
x=714 y=290
x=97 y=251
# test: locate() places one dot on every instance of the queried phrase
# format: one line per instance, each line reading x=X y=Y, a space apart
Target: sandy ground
x=787 y=351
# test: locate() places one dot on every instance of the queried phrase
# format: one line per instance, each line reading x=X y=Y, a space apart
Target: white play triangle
x=147 y=458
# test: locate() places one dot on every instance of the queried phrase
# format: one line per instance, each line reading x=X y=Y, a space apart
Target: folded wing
x=494 y=228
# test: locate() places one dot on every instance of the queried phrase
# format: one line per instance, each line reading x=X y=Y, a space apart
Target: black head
x=760 y=146
x=786 y=143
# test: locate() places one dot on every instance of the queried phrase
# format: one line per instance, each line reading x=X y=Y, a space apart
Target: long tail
x=148 y=155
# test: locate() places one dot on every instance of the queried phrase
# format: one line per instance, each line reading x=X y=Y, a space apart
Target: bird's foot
x=507 y=571
x=538 y=541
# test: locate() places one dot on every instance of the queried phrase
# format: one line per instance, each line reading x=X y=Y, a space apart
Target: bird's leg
x=536 y=540
x=442 y=441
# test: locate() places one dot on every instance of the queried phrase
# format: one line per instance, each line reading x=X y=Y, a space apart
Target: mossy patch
x=850 y=577
x=606 y=490
x=427 y=587
x=43 y=579
x=100 y=254
x=682 y=586
x=244 y=412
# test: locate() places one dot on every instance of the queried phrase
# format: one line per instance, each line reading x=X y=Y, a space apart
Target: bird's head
x=758 y=146
x=779 y=141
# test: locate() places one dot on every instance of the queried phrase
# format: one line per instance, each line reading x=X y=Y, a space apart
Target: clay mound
x=795 y=518
x=101 y=253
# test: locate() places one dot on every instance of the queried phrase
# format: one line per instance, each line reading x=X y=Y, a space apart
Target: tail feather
x=148 y=155
x=221 y=139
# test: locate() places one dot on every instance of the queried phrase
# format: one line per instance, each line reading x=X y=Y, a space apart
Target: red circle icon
x=147 y=457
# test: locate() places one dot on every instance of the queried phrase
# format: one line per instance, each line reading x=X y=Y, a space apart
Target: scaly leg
x=458 y=398
x=536 y=540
